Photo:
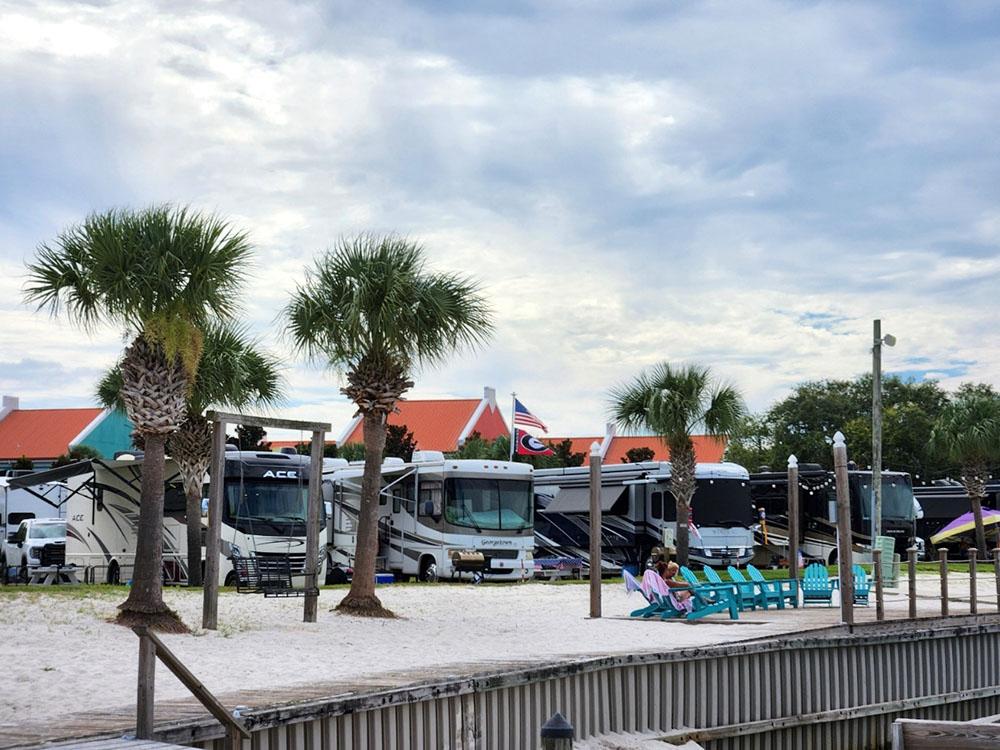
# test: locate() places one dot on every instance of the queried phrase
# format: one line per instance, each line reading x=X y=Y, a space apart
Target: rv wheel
x=833 y=558
x=428 y=569
x=114 y=574
x=230 y=578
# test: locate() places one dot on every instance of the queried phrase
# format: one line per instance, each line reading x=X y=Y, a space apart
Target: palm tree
x=672 y=402
x=160 y=274
x=967 y=433
x=233 y=374
x=370 y=308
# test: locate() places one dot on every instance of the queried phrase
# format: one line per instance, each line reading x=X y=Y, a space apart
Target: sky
x=741 y=185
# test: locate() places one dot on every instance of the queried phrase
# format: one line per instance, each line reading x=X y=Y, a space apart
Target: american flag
x=525 y=418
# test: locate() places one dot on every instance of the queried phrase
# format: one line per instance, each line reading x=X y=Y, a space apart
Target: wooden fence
x=826 y=689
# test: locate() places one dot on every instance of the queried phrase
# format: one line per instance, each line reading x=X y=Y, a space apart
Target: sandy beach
x=61 y=654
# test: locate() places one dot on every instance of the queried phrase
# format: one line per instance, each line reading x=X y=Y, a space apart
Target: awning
x=51 y=475
x=577 y=499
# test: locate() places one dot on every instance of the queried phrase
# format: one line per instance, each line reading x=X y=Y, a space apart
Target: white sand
x=61 y=655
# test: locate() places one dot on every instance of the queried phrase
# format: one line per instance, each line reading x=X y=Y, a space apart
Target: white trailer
x=438 y=517
x=264 y=503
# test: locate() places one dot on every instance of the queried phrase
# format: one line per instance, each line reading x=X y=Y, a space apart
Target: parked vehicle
x=37 y=542
x=639 y=513
x=942 y=502
x=263 y=514
x=438 y=517
x=818 y=503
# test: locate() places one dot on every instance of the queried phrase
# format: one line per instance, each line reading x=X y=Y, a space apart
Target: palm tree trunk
x=191 y=448
x=144 y=605
x=193 y=493
x=682 y=484
x=975 y=485
x=361 y=599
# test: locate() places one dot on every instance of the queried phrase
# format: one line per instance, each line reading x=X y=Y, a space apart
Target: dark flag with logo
x=529 y=445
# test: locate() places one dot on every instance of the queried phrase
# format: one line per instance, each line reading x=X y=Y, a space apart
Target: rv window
x=657 y=506
x=430 y=499
x=15 y=518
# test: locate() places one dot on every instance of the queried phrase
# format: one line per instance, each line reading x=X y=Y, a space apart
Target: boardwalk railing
x=152 y=648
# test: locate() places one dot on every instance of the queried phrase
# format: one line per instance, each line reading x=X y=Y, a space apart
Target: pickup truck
x=36 y=542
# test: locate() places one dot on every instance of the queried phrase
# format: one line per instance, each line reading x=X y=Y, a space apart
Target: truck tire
x=114 y=574
x=22 y=572
x=428 y=569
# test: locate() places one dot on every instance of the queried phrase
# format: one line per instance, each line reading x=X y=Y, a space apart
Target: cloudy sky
x=744 y=185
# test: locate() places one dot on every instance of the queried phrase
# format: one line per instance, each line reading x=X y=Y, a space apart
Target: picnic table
x=53 y=575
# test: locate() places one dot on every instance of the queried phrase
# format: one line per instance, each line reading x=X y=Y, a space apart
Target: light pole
x=878 y=340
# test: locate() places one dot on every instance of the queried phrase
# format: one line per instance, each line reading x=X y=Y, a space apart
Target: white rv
x=438 y=517
x=263 y=515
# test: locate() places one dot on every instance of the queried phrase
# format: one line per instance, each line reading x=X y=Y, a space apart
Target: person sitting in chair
x=668 y=572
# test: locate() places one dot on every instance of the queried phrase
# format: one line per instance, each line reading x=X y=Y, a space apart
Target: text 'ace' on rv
x=438 y=517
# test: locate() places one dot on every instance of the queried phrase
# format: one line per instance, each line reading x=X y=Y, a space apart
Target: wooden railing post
x=877 y=572
x=943 y=557
x=973 y=602
x=911 y=564
x=996 y=573
x=557 y=733
x=145 y=689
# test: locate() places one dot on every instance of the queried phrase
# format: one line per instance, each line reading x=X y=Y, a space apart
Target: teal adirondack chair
x=816 y=586
x=748 y=592
x=862 y=585
x=778 y=590
x=714 y=578
x=708 y=594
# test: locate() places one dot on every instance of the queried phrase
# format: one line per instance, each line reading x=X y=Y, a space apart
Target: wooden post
x=973 y=602
x=793 y=520
x=911 y=561
x=213 y=542
x=557 y=733
x=943 y=557
x=877 y=572
x=845 y=553
x=996 y=573
x=147 y=680
x=312 y=527
x=595 y=531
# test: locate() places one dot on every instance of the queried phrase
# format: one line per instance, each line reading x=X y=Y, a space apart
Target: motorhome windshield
x=897 y=497
x=722 y=502
x=47 y=531
x=488 y=504
x=267 y=507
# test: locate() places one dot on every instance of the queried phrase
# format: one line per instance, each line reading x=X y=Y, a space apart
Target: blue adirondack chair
x=714 y=578
x=778 y=590
x=862 y=585
x=816 y=586
x=657 y=605
x=748 y=592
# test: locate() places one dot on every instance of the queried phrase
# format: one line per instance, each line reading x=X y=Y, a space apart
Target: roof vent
x=426 y=457
x=392 y=461
x=334 y=463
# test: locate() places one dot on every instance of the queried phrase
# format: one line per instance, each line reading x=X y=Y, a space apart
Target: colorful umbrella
x=965 y=522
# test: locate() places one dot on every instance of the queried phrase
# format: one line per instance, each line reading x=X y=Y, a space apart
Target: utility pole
x=876 y=526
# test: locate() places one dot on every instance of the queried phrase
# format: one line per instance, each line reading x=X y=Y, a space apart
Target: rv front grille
x=501 y=554
x=53 y=553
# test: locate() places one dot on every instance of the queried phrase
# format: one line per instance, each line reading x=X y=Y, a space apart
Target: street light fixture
x=888 y=340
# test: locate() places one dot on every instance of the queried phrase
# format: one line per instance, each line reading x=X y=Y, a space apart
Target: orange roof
x=42 y=433
x=436 y=423
x=706 y=449
x=579 y=444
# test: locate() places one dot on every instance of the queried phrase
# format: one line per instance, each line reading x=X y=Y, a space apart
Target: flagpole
x=513 y=432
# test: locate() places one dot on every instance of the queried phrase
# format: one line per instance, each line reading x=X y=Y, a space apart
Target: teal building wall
x=114 y=433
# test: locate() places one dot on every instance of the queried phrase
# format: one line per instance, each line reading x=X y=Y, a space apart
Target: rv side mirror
x=204 y=507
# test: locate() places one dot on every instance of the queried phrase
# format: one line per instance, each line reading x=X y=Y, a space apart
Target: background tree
x=399 y=442
x=251 y=438
x=351 y=451
x=74 y=454
x=23 y=464
x=968 y=433
x=673 y=402
x=369 y=306
x=752 y=443
x=477 y=447
x=234 y=374
x=638 y=454
x=329 y=450
x=160 y=274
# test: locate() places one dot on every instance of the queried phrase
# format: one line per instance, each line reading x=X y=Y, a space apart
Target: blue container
x=384 y=578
